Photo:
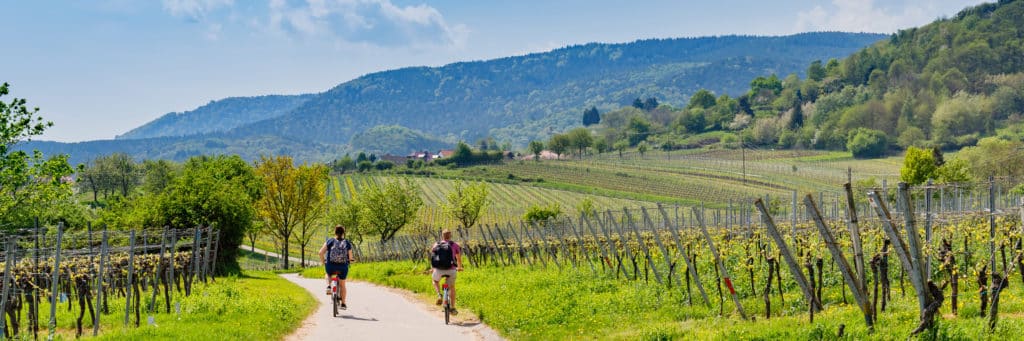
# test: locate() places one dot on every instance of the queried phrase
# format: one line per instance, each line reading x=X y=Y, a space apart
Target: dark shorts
x=340 y=269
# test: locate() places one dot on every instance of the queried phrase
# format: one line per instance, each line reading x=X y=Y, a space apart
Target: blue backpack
x=337 y=251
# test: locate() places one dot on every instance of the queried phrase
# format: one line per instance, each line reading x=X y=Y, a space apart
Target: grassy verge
x=254 y=306
x=536 y=304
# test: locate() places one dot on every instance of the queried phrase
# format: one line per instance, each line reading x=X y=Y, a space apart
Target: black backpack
x=442 y=256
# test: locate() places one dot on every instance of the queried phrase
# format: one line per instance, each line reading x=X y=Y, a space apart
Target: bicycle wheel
x=335 y=299
x=447 y=307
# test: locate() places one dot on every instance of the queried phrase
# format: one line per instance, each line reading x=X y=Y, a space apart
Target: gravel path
x=381 y=313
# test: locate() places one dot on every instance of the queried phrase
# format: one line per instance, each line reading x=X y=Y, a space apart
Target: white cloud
x=377 y=22
x=194 y=9
x=865 y=16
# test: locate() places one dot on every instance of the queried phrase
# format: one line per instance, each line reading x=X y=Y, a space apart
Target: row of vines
x=741 y=261
x=84 y=272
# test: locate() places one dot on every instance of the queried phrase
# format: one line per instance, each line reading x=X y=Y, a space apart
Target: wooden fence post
x=856 y=285
x=686 y=257
x=55 y=280
x=721 y=265
x=794 y=268
x=131 y=271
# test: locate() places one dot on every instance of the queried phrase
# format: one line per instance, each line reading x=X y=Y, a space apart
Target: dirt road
x=380 y=313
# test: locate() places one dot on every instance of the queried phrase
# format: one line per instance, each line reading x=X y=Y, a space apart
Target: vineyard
x=954 y=248
x=74 y=273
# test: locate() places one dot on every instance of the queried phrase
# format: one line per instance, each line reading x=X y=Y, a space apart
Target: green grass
x=548 y=304
x=254 y=306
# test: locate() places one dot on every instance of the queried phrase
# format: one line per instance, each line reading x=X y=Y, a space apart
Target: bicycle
x=335 y=294
x=446 y=303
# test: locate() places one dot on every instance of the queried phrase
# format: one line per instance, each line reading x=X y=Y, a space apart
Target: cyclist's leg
x=435 y=275
x=342 y=276
x=451 y=287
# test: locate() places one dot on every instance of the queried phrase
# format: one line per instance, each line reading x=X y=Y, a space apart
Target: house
x=395 y=159
x=445 y=153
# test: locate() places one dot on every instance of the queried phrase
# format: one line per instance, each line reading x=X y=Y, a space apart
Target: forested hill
x=217 y=116
x=518 y=99
x=512 y=99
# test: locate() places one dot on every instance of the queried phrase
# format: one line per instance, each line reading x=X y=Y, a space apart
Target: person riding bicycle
x=445 y=260
x=336 y=254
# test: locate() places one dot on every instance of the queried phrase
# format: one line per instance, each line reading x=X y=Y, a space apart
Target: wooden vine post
x=794 y=267
x=689 y=263
x=929 y=296
x=721 y=265
x=855 y=283
x=54 y=281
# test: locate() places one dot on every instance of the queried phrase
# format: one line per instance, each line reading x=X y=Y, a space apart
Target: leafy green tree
x=918 y=166
x=361 y=157
x=157 y=175
x=536 y=147
x=601 y=145
x=580 y=139
x=348 y=213
x=816 y=71
x=992 y=157
x=218 y=191
x=294 y=198
x=638 y=129
x=32 y=185
x=364 y=166
x=866 y=143
x=384 y=165
x=586 y=208
x=642 y=148
x=345 y=164
x=702 y=99
x=954 y=171
x=621 y=146
x=466 y=203
x=542 y=215
x=389 y=207
x=559 y=144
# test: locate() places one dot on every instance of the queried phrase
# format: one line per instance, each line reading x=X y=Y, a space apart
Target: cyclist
x=445 y=260
x=336 y=255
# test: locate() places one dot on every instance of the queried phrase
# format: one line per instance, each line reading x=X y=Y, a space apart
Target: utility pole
x=743 y=152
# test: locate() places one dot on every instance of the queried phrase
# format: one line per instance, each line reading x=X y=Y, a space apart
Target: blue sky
x=99 y=68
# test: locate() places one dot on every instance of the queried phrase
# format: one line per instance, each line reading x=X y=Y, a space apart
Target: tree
x=157 y=175
x=345 y=164
x=466 y=203
x=637 y=129
x=797 y=119
x=125 y=172
x=702 y=99
x=388 y=207
x=361 y=157
x=311 y=183
x=816 y=72
x=580 y=139
x=215 y=191
x=918 y=166
x=591 y=116
x=364 y=166
x=31 y=185
x=292 y=198
x=642 y=148
x=638 y=103
x=866 y=143
x=559 y=144
x=650 y=103
x=542 y=215
x=621 y=146
x=536 y=147
x=601 y=145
